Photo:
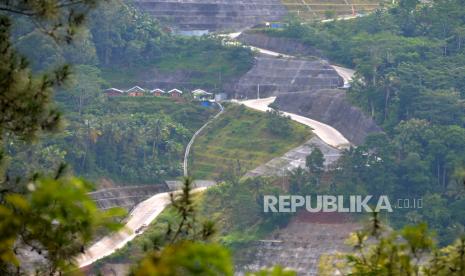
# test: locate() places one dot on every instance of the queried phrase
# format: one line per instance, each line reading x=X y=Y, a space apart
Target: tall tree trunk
x=386 y=103
x=80 y=103
x=445 y=35
x=444 y=184
x=372 y=107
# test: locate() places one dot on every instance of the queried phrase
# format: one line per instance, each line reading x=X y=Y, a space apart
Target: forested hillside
x=125 y=43
x=144 y=137
x=57 y=57
x=410 y=74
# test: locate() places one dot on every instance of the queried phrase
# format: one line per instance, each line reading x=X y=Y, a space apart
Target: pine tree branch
x=28 y=12
x=17 y=11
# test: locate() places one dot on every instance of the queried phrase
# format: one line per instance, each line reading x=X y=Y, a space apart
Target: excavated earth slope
x=331 y=107
x=214 y=15
x=271 y=76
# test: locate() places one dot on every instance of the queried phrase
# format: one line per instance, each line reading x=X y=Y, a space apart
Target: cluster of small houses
x=137 y=91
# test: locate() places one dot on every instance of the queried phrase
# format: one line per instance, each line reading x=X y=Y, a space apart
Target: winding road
x=139 y=218
x=147 y=211
x=346 y=74
x=191 y=142
x=327 y=133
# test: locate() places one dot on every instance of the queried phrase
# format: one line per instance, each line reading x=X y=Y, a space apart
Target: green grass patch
x=121 y=77
x=241 y=135
x=205 y=62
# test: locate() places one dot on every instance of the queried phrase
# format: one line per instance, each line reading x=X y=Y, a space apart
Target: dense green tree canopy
x=409 y=61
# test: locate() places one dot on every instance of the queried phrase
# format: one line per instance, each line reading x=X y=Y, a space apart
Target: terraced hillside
x=240 y=135
x=214 y=14
x=319 y=9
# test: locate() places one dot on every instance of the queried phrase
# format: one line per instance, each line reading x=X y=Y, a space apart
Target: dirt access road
x=191 y=142
x=328 y=134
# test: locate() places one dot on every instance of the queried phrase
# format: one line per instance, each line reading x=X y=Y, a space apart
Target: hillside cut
x=214 y=15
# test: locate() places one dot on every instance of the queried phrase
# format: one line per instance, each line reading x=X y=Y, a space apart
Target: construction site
x=296 y=105
x=227 y=15
x=300 y=83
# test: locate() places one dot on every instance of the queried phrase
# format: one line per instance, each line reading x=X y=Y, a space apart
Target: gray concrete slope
x=287 y=47
x=281 y=45
x=296 y=158
x=125 y=197
x=330 y=107
x=271 y=76
x=214 y=15
x=298 y=246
